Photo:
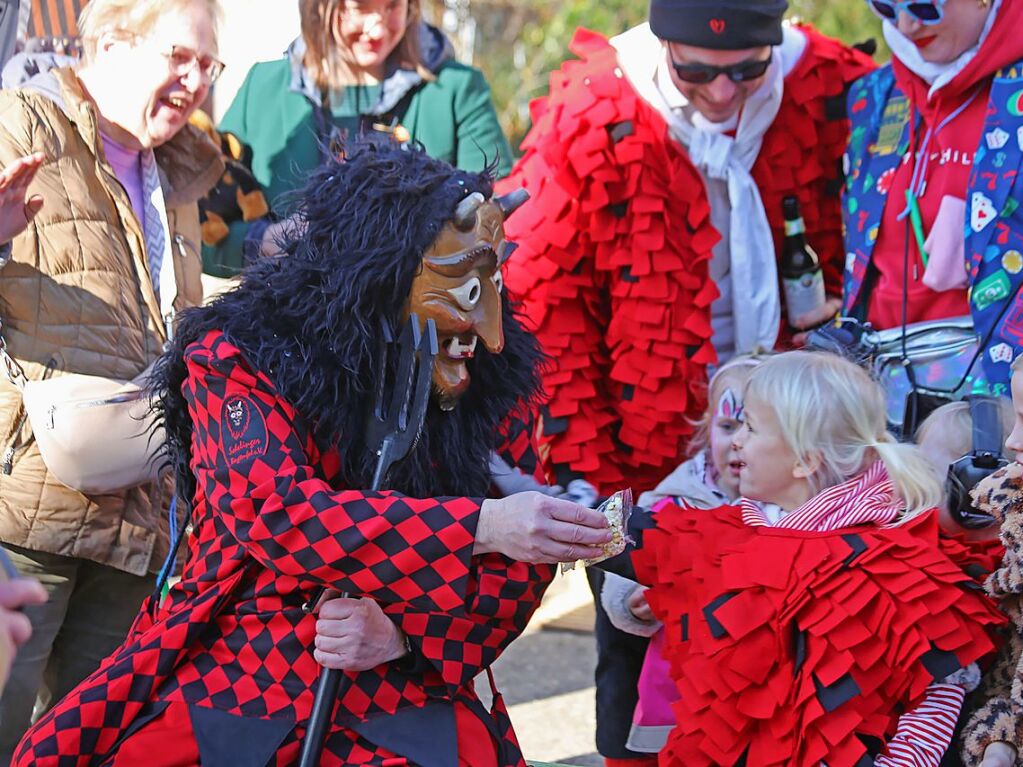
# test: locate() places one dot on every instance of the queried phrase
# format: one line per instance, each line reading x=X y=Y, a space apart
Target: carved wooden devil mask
x=459 y=287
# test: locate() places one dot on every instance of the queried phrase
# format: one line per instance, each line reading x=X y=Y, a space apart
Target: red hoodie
x=950 y=154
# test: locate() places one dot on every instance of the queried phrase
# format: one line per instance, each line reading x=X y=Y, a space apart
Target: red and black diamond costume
x=612 y=268
x=798 y=647
x=265 y=429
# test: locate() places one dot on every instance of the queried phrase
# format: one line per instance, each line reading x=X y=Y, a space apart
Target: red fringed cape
x=793 y=647
x=612 y=265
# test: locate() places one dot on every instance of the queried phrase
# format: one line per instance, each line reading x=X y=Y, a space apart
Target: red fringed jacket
x=271 y=525
x=614 y=246
x=799 y=648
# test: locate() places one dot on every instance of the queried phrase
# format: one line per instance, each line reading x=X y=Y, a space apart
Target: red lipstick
x=923 y=42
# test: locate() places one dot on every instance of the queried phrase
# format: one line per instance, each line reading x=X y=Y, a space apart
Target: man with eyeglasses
x=91 y=287
x=657 y=166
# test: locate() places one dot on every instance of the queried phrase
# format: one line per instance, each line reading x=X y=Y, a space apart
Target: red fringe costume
x=612 y=269
x=792 y=647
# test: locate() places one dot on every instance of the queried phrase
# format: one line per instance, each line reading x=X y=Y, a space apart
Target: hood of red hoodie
x=1002 y=46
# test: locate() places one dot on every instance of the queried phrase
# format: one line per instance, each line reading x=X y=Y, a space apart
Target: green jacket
x=452 y=117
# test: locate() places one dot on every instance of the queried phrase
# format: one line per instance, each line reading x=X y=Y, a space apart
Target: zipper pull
x=8 y=464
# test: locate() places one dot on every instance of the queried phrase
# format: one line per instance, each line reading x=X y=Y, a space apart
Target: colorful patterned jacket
x=612 y=268
x=270 y=526
x=880 y=115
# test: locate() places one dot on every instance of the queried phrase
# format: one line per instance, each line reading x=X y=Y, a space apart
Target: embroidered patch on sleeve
x=243 y=431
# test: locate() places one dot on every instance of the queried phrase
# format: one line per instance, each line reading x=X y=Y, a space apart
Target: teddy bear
x=999 y=719
x=237 y=196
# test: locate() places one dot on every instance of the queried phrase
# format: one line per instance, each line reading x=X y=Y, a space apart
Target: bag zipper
x=7 y=466
x=185 y=247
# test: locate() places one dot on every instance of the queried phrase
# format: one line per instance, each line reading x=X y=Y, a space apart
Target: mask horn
x=465 y=213
x=509 y=203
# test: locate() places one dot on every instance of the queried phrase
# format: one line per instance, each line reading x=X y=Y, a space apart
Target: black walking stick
x=391 y=430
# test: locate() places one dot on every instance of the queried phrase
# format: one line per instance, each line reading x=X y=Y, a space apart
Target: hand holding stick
x=392 y=430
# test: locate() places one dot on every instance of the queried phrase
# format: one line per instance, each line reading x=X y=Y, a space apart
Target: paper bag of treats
x=617 y=509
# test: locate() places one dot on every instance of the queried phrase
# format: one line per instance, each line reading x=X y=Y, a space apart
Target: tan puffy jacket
x=78 y=296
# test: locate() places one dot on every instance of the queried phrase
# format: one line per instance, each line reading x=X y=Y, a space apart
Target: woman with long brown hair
x=358 y=66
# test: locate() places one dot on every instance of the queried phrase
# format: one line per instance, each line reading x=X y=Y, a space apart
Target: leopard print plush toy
x=1000 y=716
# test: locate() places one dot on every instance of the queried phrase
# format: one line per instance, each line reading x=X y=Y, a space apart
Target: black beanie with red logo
x=718 y=24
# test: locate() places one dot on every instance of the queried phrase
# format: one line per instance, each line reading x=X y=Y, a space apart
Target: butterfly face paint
x=726 y=422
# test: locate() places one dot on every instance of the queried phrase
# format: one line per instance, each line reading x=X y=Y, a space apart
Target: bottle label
x=794 y=227
x=804 y=294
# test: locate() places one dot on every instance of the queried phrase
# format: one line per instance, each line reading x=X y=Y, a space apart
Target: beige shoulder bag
x=96 y=435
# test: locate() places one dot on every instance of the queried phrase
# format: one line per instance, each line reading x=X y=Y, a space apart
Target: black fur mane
x=311 y=321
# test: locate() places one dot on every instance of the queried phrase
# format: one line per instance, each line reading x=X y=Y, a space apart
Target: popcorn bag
x=617 y=509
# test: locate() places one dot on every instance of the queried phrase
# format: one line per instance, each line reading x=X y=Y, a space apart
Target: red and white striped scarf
x=867 y=497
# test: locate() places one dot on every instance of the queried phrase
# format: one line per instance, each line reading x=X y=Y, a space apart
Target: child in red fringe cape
x=821 y=619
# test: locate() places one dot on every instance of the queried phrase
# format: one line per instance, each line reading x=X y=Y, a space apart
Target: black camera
x=984 y=458
x=847 y=337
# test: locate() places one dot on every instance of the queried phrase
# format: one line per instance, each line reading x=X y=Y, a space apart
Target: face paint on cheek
x=729 y=406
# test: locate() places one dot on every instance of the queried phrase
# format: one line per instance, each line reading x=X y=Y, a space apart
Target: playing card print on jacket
x=993 y=231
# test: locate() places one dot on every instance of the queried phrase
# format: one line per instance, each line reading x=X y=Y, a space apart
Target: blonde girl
x=815 y=420
x=818 y=620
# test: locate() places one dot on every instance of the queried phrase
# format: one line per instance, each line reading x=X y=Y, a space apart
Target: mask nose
x=489 y=325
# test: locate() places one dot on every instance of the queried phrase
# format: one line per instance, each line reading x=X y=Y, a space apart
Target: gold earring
x=983 y=3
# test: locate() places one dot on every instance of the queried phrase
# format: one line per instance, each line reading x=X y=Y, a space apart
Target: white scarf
x=756 y=305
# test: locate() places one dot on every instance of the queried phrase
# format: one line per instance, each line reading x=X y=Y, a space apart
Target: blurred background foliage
x=517 y=43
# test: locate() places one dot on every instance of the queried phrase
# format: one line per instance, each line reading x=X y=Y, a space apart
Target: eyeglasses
x=925 y=13
x=701 y=74
x=183 y=60
x=359 y=17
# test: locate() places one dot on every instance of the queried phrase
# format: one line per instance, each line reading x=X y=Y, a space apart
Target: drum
x=944 y=359
x=941 y=353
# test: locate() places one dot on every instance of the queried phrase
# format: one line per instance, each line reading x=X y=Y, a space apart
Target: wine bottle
x=801 y=276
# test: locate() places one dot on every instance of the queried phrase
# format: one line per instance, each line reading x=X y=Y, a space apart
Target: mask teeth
x=456 y=348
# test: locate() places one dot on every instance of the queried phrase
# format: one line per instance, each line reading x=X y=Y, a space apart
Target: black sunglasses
x=701 y=74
